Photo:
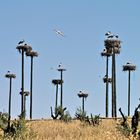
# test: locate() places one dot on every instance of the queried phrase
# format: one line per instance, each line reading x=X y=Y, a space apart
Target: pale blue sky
x=84 y=23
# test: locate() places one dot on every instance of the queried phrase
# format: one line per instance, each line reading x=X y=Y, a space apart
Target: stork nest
x=85 y=95
x=105 y=80
x=25 y=93
x=8 y=75
x=61 y=69
x=57 y=81
x=110 y=51
x=116 y=50
x=32 y=54
x=24 y=47
x=110 y=43
x=129 y=67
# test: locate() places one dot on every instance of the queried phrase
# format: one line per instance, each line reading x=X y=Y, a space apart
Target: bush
x=95 y=120
x=17 y=131
x=61 y=114
x=66 y=117
x=3 y=120
x=125 y=129
x=80 y=115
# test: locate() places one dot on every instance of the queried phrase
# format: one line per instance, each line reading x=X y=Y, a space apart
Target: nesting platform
x=57 y=81
x=106 y=52
x=9 y=75
x=129 y=67
x=24 y=47
x=105 y=80
x=113 y=43
x=32 y=53
x=81 y=94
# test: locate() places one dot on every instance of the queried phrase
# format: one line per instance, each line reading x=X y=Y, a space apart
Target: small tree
x=80 y=115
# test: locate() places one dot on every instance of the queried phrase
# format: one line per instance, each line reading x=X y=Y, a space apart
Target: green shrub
x=124 y=129
x=61 y=114
x=80 y=115
x=66 y=117
x=3 y=120
x=17 y=131
x=95 y=120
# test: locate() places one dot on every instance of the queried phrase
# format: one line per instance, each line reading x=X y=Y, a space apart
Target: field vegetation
x=77 y=130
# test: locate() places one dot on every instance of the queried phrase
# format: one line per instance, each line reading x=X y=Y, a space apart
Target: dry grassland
x=75 y=130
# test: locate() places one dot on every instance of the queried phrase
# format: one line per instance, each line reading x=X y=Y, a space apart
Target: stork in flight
x=21 y=42
x=59 y=32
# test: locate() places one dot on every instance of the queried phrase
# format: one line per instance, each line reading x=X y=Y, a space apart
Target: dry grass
x=75 y=130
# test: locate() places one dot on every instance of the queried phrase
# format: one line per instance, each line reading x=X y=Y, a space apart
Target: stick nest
x=8 y=75
x=106 y=52
x=110 y=43
x=105 y=80
x=81 y=94
x=57 y=81
x=129 y=67
x=24 y=47
x=32 y=54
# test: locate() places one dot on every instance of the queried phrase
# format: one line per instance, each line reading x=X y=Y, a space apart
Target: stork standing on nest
x=110 y=35
x=21 y=42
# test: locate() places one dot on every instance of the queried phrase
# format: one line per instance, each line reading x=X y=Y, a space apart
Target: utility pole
x=10 y=76
x=61 y=70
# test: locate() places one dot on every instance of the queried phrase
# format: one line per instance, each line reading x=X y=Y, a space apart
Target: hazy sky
x=84 y=23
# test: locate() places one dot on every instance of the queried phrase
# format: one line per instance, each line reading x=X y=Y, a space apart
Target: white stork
x=59 y=32
x=21 y=42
